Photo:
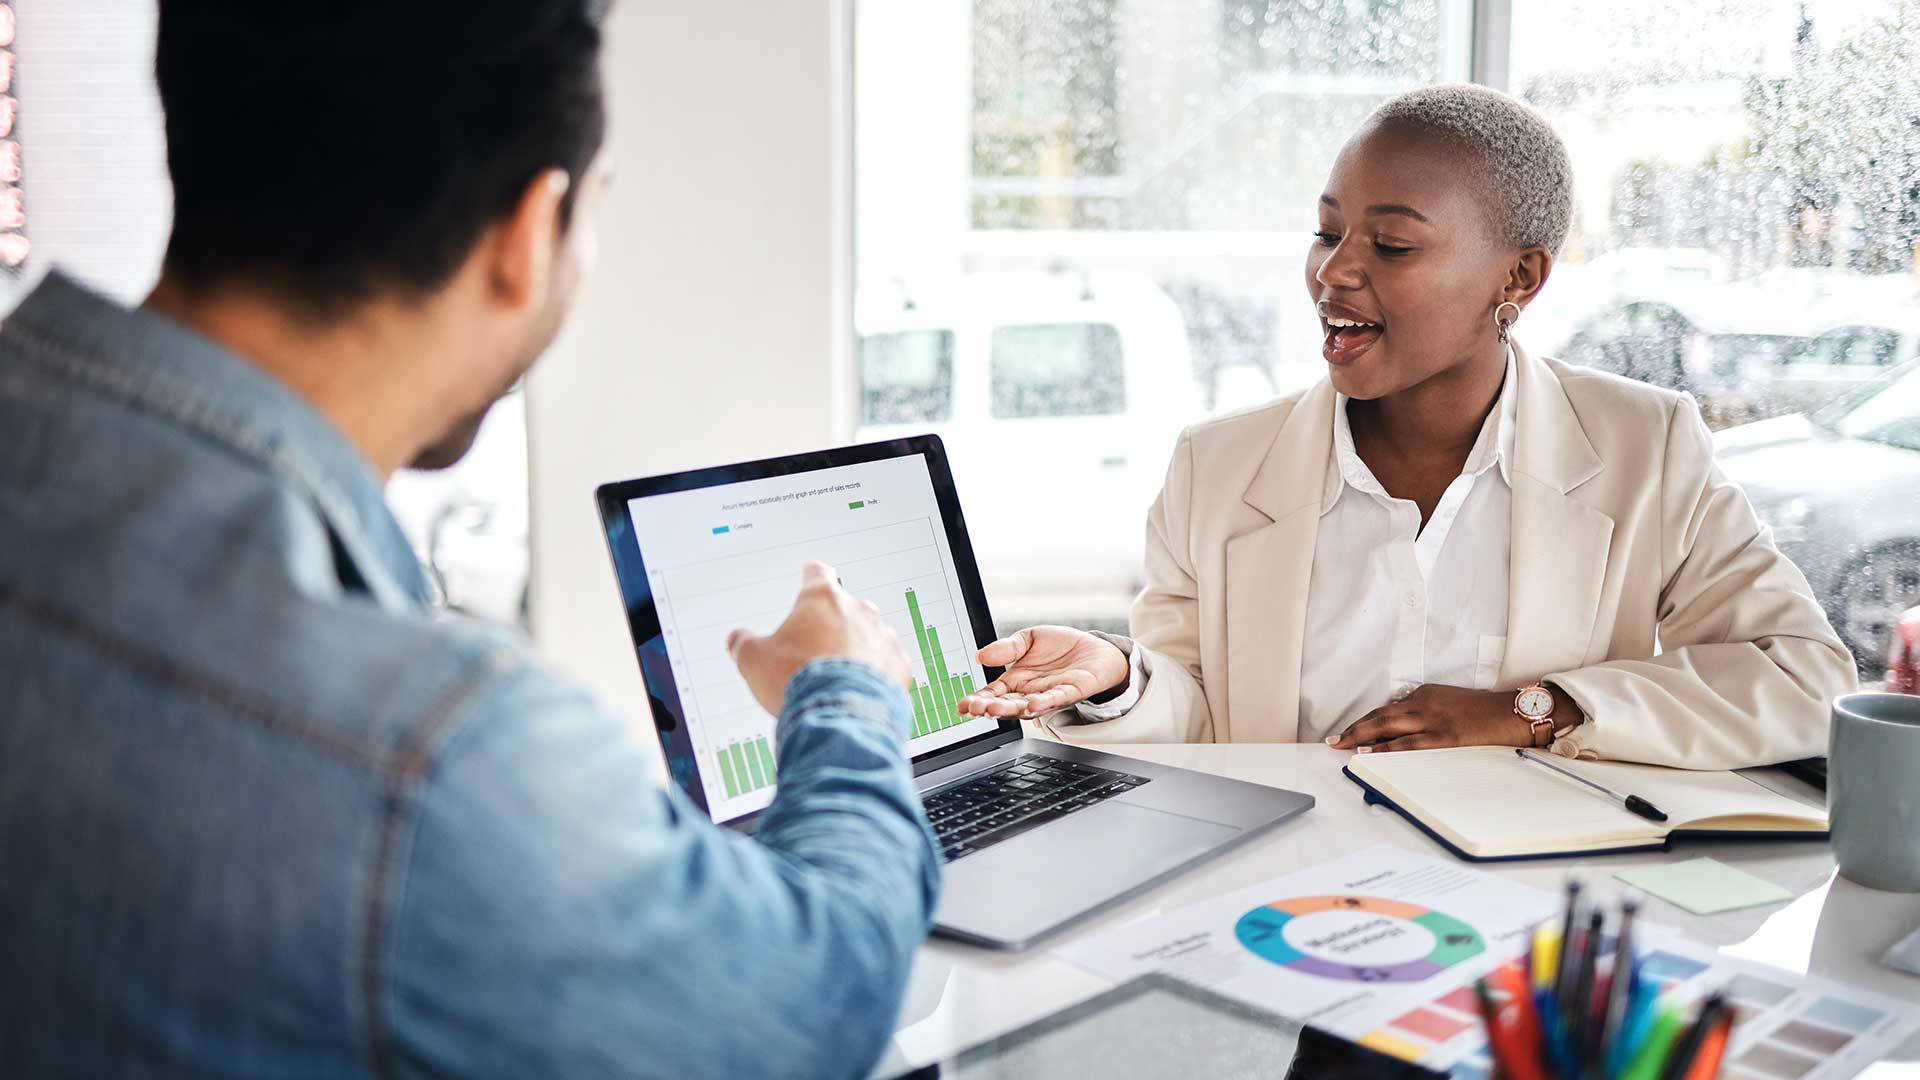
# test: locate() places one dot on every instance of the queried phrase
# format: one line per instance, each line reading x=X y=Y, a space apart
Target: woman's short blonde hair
x=1532 y=176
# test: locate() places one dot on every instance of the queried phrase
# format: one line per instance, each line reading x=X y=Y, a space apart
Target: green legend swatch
x=935 y=707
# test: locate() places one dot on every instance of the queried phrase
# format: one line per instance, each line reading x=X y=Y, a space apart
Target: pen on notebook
x=1634 y=803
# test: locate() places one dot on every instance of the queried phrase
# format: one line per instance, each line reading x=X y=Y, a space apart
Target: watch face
x=1534 y=704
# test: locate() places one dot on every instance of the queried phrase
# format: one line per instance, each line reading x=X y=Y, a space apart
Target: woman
x=1448 y=542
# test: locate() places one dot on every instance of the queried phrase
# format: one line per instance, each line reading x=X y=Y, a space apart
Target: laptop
x=1035 y=834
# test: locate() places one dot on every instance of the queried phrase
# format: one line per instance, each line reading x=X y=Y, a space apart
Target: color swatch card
x=1787 y=1027
x=1383 y=947
x=1350 y=946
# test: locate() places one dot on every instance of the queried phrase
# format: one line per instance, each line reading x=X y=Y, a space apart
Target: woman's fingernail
x=1363 y=750
x=1333 y=740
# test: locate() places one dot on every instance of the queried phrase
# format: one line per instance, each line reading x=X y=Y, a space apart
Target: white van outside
x=1059 y=397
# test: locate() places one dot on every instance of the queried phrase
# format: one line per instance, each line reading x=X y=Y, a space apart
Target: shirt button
x=1412 y=599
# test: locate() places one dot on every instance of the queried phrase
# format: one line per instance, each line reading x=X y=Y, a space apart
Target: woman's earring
x=1506 y=325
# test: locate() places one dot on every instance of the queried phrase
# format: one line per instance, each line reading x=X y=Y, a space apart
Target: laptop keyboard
x=1018 y=796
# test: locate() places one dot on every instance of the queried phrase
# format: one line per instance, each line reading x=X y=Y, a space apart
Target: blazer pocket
x=1493 y=652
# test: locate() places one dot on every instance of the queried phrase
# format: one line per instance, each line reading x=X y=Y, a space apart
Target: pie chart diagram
x=1357 y=938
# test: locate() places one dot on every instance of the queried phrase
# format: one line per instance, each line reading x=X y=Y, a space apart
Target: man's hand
x=1048 y=668
x=1436 y=716
x=827 y=623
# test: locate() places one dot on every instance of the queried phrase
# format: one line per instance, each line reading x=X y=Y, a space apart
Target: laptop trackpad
x=1015 y=890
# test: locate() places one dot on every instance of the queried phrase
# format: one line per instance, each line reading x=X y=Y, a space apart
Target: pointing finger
x=741 y=645
x=817 y=574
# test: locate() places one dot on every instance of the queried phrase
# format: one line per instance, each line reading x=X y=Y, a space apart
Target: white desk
x=960 y=995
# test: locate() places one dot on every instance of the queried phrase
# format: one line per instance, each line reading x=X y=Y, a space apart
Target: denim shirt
x=262 y=814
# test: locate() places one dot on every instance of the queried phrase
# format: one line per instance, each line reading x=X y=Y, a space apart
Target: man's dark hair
x=332 y=150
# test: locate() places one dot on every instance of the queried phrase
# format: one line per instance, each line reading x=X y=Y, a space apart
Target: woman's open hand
x=1048 y=668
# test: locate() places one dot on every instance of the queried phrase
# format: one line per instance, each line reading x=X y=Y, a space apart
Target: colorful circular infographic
x=1358 y=938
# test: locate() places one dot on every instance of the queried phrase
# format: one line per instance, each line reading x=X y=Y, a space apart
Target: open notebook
x=1485 y=802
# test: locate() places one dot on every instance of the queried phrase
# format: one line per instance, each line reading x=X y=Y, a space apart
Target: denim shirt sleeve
x=562 y=914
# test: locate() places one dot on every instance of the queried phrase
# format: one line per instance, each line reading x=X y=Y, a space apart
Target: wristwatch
x=1534 y=704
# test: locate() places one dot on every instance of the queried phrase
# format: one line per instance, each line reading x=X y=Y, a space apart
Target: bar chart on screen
x=741 y=570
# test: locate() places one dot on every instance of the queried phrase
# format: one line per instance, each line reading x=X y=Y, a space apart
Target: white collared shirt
x=1393 y=606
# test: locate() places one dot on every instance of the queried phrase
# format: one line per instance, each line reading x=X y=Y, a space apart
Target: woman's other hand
x=1436 y=716
x=1048 y=668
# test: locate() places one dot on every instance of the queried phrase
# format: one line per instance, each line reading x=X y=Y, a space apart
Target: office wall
x=93 y=150
x=717 y=326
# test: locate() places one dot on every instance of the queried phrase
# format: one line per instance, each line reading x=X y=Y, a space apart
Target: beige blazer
x=1641 y=583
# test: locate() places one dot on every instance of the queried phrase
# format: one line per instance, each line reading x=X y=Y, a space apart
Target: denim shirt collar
x=153 y=363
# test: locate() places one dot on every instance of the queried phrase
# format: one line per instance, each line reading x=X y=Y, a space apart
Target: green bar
x=966 y=682
x=855 y=505
x=919 y=711
x=766 y=758
x=726 y=772
x=920 y=633
x=937 y=674
x=753 y=766
x=953 y=685
x=931 y=706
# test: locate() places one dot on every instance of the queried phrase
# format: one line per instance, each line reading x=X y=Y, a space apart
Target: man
x=261 y=814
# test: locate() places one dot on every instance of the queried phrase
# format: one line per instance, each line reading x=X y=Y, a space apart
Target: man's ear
x=1528 y=276
x=523 y=245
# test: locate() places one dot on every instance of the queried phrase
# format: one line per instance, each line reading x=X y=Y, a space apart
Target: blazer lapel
x=1269 y=570
x=1559 y=544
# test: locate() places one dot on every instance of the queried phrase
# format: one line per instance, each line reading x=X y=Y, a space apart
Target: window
x=82 y=154
x=1015 y=158
x=906 y=377
x=1067 y=369
x=1751 y=169
x=1747 y=220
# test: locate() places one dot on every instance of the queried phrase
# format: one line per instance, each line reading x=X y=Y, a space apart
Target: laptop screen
x=729 y=556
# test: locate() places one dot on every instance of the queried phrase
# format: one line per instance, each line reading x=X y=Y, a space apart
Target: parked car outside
x=1713 y=342
x=1059 y=397
x=1840 y=488
x=1833 y=363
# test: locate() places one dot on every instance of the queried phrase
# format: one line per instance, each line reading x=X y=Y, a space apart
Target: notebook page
x=1491 y=799
x=1692 y=796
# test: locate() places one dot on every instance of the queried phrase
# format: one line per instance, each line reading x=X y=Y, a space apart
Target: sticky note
x=1704 y=886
